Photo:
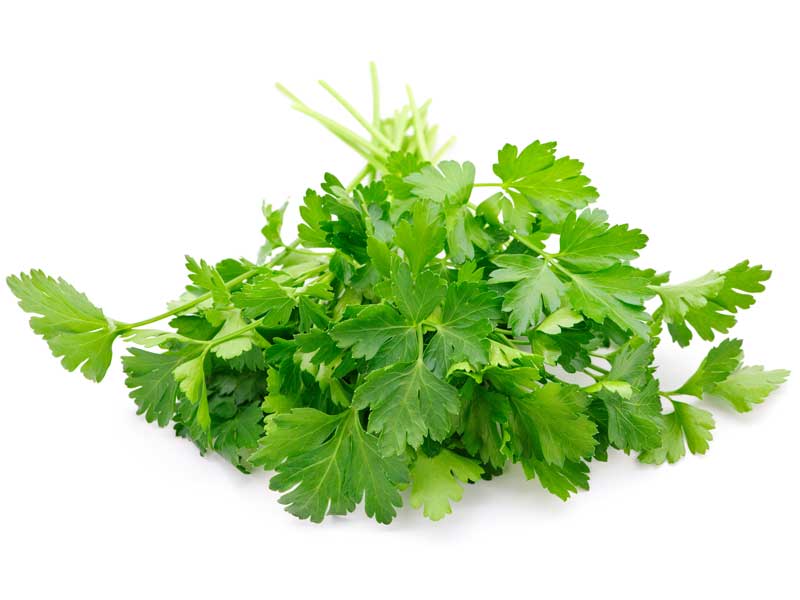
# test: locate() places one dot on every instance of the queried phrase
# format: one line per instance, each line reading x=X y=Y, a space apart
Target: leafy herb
x=417 y=333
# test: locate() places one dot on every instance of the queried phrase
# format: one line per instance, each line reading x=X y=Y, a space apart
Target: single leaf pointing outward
x=75 y=329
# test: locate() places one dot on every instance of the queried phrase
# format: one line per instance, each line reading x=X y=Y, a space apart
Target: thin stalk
x=348 y=136
x=377 y=135
x=430 y=137
x=443 y=149
x=351 y=138
x=400 y=126
x=202 y=298
x=358 y=178
x=598 y=369
x=376 y=97
x=419 y=131
x=234 y=334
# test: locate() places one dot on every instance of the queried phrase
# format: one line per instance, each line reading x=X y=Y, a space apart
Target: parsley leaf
x=407 y=403
x=75 y=329
x=326 y=464
x=537 y=289
x=708 y=303
x=554 y=187
x=435 y=482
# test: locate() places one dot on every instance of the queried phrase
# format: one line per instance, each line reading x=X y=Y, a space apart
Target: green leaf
x=561 y=319
x=448 y=182
x=747 y=386
x=314 y=215
x=551 y=425
x=708 y=303
x=237 y=438
x=416 y=299
x=482 y=423
x=718 y=364
x=377 y=327
x=435 y=482
x=553 y=186
x=421 y=239
x=292 y=433
x=331 y=476
x=191 y=378
x=75 y=329
x=407 y=403
x=271 y=230
x=617 y=293
x=463 y=328
x=560 y=481
x=153 y=385
x=687 y=424
x=634 y=423
x=263 y=297
x=208 y=278
x=537 y=289
x=589 y=244
x=236 y=345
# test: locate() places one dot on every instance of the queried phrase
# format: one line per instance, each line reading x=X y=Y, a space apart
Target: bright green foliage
x=153 y=386
x=463 y=328
x=407 y=402
x=561 y=481
x=718 y=364
x=75 y=329
x=420 y=335
x=264 y=296
x=748 y=386
x=551 y=424
x=617 y=293
x=435 y=482
x=685 y=425
x=553 y=187
x=447 y=182
x=327 y=464
x=537 y=292
x=708 y=303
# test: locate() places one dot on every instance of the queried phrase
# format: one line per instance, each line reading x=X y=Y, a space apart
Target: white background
x=133 y=133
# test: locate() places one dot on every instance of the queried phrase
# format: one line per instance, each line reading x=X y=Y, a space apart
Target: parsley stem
x=123 y=327
x=419 y=342
x=358 y=178
x=376 y=97
x=598 y=369
x=348 y=136
x=377 y=135
x=400 y=126
x=362 y=146
x=419 y=131
x=234 y=334
x=442 y=150
x=498 y=184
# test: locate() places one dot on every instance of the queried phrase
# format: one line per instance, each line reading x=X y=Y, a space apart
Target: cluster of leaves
x=415 y=336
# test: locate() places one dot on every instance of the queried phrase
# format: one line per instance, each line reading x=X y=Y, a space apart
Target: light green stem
x=123 y=327
x=376 y=95
x=419 y=130
x=377 y=135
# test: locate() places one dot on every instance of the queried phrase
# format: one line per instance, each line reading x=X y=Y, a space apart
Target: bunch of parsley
x=422 y=334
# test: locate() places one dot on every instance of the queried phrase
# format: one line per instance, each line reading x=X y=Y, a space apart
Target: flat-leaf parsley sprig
x=423 y=332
